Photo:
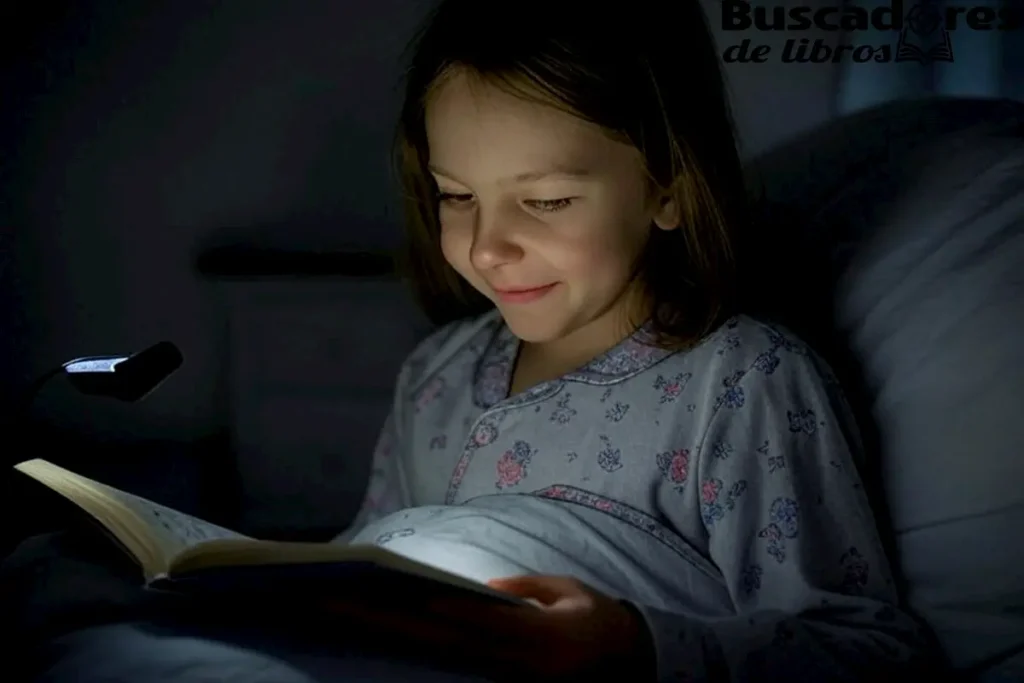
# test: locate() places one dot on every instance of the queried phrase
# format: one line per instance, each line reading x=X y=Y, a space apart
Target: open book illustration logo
x=924 y=37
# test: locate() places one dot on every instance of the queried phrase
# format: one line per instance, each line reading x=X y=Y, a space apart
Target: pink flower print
x=675 y=465
x=672 y=387
x=430 y=393
x=714 y=504
x=604 y=505
x=484 y=434
x=678 y=469
x=709 y=491
x=510 y=471
x=512 y=465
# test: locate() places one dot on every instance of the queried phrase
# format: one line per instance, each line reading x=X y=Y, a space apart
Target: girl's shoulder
x=752 y=334
x=745 y=348
x=753 y=371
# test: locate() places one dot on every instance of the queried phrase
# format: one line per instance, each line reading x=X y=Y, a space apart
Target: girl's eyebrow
x=558 y=170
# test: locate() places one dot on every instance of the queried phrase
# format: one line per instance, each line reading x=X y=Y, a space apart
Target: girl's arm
x=790 y=528
x=385 y=491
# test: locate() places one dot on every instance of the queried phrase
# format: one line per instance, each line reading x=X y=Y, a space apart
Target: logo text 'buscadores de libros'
x=921 y=30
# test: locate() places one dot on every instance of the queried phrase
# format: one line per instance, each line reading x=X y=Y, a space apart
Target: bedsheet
x=72 y=611
x=146 y=652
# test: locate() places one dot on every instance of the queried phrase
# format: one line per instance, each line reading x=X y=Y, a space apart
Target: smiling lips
x=524 y=296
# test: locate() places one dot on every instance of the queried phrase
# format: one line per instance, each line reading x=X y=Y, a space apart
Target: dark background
x=137 y=136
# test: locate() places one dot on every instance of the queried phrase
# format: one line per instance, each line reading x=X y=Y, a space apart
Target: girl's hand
x=578 y=630
x=574 y=632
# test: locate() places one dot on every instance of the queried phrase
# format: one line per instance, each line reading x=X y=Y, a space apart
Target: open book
x=179 y=552
x=915 y=48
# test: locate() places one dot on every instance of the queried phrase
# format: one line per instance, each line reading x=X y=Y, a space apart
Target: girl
x=598 y=427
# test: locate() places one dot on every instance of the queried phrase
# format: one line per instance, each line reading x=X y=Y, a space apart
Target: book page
x=177 y=531
x=154 y=534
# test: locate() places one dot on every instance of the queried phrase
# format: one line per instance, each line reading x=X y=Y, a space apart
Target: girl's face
x=541 y=212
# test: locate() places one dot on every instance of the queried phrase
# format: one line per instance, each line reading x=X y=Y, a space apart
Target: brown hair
x=648 y=73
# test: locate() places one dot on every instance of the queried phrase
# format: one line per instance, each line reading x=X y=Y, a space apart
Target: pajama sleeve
x=788 y=525
x=387 y=490
x=384 y=491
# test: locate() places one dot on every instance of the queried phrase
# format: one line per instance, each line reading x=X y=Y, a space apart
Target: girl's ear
x=668 y=216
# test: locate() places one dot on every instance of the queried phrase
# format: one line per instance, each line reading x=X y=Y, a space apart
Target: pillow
x=901 y=230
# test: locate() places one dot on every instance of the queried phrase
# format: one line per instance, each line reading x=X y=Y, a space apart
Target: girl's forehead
x=478 y=129
x=462 y=106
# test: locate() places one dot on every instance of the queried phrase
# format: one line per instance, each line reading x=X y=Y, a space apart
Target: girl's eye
x=544 y=205
x=549 y=205
x=452 y=198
